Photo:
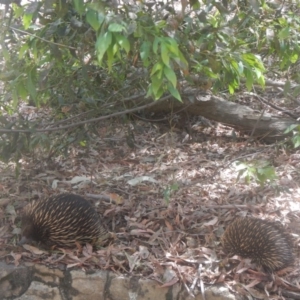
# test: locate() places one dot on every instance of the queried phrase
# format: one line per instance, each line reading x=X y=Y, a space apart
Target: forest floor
x=167 y=199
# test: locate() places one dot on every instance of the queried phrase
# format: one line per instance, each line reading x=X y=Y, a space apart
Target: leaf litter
x=166 y=203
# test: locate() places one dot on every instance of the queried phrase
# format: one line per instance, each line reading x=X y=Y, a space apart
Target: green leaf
x=296 y=141
x=149 y=92
x=22 y=50
x=102 y=44
x=294 y=58
x=264 y=174
x=21 y=90
x=157 y=68
x=284 y=33
x=165 y=54
x=15 y=98
x=115 y=27
x=261 y=81
x=31 y=84
x=258 y=73
x=296 y=91
x=34 y=49
x=79 y=6
x=160 y=24
x=5 y=53
x=252 y=170
x=234 y=67
x=18 y=11
x=27 y=20
x=159 y=93
x=231 y=89
x=240 y=68
x=195 y=4
x=156 y=84
x=93 y=19
x=10 y=75
x=174 y=92
x=253 y=61
x=268 y=172
x=123 y=42
x=181 y=61
x=83 y=143
x=155 y=44
x=110 y=57
x=167 y=194
x=145 y=52
x=249 y=79
x=116 y=50
x=291 y=128
x=171 y=76
x=173 y=46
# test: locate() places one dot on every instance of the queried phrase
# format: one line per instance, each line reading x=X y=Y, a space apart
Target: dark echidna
x=62 y=221
x=265 y=242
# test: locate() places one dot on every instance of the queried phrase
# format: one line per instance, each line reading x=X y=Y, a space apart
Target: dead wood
x=258 y=124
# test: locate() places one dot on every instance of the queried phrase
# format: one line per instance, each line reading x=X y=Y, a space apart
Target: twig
x=40 y=38
x=255 y=125
x=261 y=99
x=86 y=121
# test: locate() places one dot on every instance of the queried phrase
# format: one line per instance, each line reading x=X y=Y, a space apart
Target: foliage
x=82 y=42
x=295 y=130
x=169 y=190
x=82 y=56
x=260 y=171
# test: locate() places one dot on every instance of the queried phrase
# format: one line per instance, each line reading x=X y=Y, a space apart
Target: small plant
x=295 y=129
x=169 y=190
x=260 y=171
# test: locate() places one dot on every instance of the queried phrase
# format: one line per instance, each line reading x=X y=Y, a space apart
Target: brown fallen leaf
x=17 y=257
x=115 y=198
x=34 y=250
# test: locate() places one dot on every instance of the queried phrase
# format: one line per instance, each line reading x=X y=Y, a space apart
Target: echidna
x=62 y=221
x=265 y=242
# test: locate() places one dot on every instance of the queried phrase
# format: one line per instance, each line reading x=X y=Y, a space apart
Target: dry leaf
x=115 y=198
x=34 y=250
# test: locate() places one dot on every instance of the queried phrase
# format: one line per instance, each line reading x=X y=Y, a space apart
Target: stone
x=88 y=286
x=14 y=280
x=36 y=282
x=38 y=291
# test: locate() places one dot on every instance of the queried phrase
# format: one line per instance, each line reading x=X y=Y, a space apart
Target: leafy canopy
x=77 y=56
